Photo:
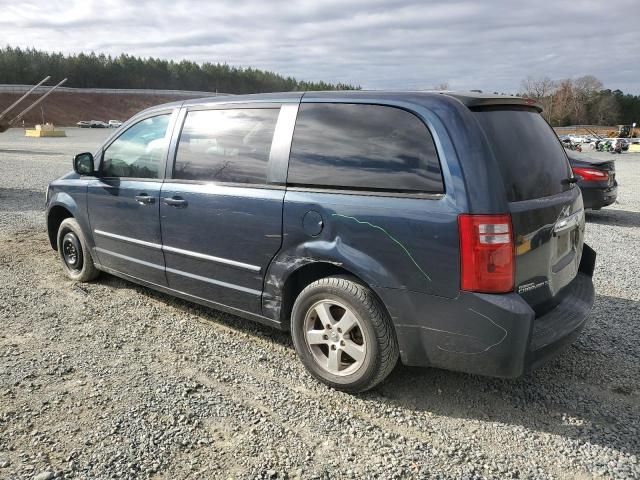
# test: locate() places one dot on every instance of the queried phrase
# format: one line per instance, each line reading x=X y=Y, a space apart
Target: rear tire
x=74 y=252
x=343 y=335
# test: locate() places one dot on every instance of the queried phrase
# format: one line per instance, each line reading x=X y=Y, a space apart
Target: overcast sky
x=396 y=44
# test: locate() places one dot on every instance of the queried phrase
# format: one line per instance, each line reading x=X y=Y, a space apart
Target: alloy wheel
x=335 y=337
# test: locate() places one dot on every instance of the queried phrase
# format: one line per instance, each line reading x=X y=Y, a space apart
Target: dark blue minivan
x=444 y=229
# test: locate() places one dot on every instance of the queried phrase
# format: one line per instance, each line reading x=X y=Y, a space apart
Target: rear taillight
x=486 y=253
x=591 y=174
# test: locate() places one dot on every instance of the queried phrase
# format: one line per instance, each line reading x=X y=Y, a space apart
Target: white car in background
x=115 y=123
x=576 y=138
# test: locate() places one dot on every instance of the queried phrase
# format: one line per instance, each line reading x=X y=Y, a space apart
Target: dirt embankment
x=66 y=109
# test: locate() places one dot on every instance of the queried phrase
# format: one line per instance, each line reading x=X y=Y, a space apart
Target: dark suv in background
x=444 y=229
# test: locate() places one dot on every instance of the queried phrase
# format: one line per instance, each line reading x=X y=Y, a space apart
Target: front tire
x=343 y=335
x=74 y=252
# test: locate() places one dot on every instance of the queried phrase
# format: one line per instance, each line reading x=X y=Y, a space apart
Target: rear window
x=363 y=147
x=532 y=162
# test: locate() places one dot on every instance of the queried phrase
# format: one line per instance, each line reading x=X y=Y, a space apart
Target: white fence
x=109 y=91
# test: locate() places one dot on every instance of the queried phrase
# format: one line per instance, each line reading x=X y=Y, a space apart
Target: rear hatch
x=546 y=210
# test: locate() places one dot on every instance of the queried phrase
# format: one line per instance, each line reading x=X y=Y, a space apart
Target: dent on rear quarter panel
x=388 y=242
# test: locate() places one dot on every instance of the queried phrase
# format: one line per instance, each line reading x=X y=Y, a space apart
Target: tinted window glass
x=140 y=151
x=226 y=145
x=363 y=147
x=532 y=161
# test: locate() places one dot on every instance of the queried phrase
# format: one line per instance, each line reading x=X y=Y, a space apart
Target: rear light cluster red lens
x=486 y=253
x=591 y=174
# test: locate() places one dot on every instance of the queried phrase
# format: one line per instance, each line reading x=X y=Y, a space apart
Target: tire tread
x=385 y=334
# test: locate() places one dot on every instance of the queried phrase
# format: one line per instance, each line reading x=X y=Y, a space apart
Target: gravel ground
x=111 y=380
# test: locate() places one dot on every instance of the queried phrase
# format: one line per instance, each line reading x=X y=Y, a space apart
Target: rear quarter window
x=363 y=147
x=532 y=162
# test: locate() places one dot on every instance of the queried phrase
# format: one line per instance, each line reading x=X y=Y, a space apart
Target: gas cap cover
x=312 y=223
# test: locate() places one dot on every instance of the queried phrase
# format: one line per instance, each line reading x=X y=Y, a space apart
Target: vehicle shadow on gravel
x=203 y=314
x=589 y=393
x=574 y=396
x=618 y=218
x=19 y=200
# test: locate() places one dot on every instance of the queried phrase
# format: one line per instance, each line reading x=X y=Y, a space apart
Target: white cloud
x=395 y=44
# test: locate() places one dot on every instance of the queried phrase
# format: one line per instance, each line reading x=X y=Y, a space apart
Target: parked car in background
x=98 y=124
x=596 y=179
x=84 y=124
x=372 y=225
x=115 y=123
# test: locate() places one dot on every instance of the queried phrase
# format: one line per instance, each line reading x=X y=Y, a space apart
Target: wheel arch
x=55 y=216
x=306 y=274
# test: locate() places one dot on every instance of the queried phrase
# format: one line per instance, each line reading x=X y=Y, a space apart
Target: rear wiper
x=570 y=180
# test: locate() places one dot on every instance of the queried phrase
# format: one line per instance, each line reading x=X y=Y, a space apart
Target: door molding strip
x=129 y=259
x=211 y=258
x=102 y=233
x=180 y=251
x=181 y=273
x=214 y=282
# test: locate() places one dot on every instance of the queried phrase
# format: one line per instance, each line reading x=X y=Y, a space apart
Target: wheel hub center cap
x=334 y=337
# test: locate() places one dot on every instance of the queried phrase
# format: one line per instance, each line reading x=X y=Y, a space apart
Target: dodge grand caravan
x=443 y=229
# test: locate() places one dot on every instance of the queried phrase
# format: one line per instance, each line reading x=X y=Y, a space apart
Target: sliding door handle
x=177 y=202
x=145 y=199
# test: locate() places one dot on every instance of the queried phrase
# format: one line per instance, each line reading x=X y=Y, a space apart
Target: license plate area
x=567 y=238
x=563 y=244
x=567 y=242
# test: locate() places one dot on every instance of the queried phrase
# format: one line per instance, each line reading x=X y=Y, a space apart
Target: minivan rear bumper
x=556 y=330
x=493 y=335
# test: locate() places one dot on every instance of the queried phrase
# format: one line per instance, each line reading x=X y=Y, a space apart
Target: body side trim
x=211 y=258
x=122 y=238
x=129 y=259
x=180 y=272
x=214 y=282
x=179 y=251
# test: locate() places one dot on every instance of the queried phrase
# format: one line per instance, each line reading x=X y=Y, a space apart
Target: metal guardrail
x=109 y=91
x=591 y=127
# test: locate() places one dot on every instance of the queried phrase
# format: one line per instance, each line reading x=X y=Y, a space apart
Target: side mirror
x=83 y=164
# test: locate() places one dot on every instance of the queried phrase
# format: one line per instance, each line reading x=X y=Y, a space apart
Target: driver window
x=139 y=152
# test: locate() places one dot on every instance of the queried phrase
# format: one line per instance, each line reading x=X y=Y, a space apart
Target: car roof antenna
x=6 y=124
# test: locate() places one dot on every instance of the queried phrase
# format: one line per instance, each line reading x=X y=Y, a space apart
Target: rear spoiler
x=480 y=100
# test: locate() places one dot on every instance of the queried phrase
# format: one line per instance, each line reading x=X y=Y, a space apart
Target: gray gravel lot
x=112 y=380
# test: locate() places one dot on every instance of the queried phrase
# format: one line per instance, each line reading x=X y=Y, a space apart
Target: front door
x=221 y=218
x=124 y=202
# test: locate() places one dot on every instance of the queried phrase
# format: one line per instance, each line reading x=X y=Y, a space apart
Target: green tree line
x=29 y=66
x=582 y=101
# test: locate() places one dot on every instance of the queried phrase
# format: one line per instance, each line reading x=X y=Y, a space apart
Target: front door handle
x=145 y=199
x=177 y=202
